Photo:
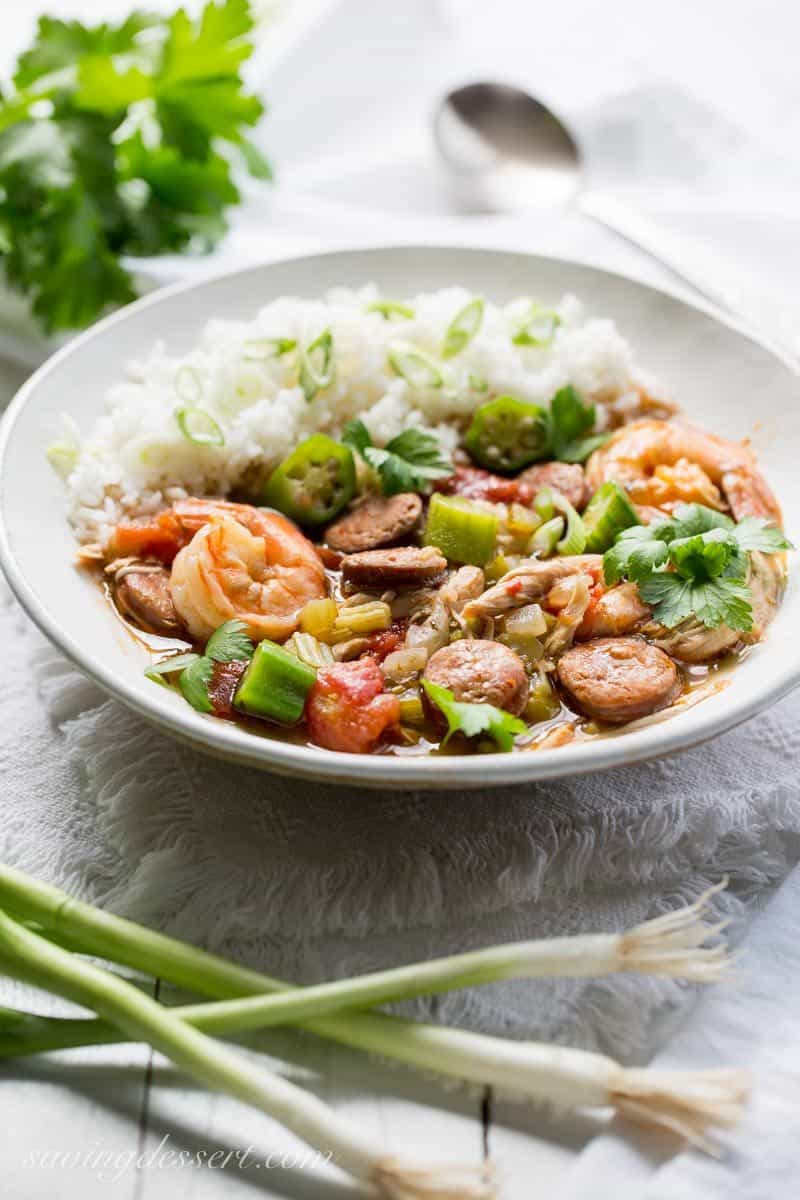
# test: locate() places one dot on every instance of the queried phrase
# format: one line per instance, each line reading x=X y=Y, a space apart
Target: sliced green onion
x=317 y=365
x=547 y=536
x=478 y=383
x=414 y=365
x=167 y=666
x=538 y=328
x=574 y=539
x=188 y=384
x=391 y=310
x=258 y=349
x=199 y=427
x=463 y=328
x=62 y=457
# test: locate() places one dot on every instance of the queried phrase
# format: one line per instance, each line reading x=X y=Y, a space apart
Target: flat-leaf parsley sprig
x=115 y=140
x=408 y=463
x=694 y=563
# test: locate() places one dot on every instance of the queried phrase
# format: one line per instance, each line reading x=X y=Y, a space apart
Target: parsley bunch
x=408 y=463
x=693 y=564
x=115 y=140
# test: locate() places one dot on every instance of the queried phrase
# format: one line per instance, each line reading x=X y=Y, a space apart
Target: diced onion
x=405 y=663
x=199 y=427
x=528 y=620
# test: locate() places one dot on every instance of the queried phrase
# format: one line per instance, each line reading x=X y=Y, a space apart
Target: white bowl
x=722 y=378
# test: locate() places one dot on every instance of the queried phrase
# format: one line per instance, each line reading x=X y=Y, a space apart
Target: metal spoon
x=506 y=151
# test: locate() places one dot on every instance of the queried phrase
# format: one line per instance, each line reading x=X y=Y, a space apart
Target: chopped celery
x=547 y=536
x=275 y=685
x=608 y=512
x=574 y=539
x=463 y=532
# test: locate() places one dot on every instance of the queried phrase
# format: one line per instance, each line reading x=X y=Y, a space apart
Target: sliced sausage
x=481 y=672
x=618 y=679
x=566 y=478
x=143 y=595
x=406 y=566
x=379 y=521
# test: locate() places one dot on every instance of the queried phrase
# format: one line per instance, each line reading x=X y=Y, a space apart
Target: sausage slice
x=379 y=521
x=406 y=566
x=566 y=478
x=143 y=595
x=481 y=672
x=618 y=679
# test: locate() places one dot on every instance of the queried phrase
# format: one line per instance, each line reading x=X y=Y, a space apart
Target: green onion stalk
x=672 y=944
x=32 y=959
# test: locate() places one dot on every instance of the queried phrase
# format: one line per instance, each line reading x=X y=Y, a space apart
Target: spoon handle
x=675 y=255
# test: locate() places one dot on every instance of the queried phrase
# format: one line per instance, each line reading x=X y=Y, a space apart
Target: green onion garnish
x=316 y=365
x=199 y=427
x=258 y=349
x=478 y=383
x=574 y=539
x=391 y=310
x=62 y=457
x=414 y=365
x=167 y=666
x=188 y=384
x=539 y=327
x=463 y=327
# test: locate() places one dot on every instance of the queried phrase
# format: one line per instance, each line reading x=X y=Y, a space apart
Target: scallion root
x=673 y=944
x=687 y=1103
x=397 y=1182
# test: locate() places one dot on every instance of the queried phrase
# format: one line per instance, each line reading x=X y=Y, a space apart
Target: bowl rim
x=457 y=772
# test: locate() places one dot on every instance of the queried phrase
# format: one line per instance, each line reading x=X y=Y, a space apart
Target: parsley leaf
x=570 y=423
x=472 y=719
x=229 y=643
x=406 y=464
x=693 y=563
x=194 y=682
x=128 y=155
x=636 y=552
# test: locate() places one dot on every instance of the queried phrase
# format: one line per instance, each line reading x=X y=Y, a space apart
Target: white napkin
x=755 y=1022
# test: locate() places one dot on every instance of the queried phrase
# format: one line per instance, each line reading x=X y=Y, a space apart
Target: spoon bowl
x=505 y=150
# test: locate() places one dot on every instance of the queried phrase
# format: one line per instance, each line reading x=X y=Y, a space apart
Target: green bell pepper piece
x=275 y=685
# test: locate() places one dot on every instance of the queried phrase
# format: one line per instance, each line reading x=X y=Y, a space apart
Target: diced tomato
x=158 y=537
x=513 y=587
x=383 y=643
x=224 y=682
x=347 y=708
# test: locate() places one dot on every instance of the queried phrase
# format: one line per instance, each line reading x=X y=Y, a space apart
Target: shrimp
x=252 y=564
x=661 y=463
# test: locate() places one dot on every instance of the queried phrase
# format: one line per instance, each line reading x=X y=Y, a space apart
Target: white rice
x=136 y=460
